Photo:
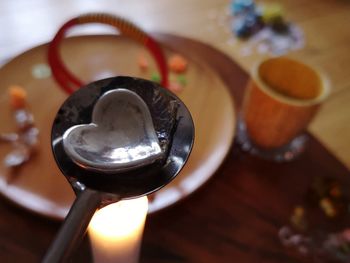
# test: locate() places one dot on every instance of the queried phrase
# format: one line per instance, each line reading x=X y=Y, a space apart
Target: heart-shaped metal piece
x=120 y=137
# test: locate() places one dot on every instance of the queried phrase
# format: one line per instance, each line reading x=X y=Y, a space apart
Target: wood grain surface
x=27 y=23
x=234 y=218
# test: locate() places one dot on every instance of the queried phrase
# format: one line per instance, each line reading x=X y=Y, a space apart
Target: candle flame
x=120 y=220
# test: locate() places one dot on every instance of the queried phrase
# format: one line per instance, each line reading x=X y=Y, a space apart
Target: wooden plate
x=40 y=187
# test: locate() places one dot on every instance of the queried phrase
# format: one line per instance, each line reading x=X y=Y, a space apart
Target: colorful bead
x=142 y=62
x=335 y=191
x=182 y=80
x=17 y=157
x=279 y=26
x=298 y=218
x=270 y=12
x=247 y=25
x=175 y=87
x=18 y=96
x=155 y=77
x=25 y=142
x=328 y=207
x=177 y=64
x=8 y=137
x=241 y=6
x=41 y=71
x=23 y=118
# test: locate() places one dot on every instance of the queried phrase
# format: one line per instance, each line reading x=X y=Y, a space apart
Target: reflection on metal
x=121 y=136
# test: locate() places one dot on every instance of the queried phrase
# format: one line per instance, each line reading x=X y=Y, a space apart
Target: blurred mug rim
x=262 y=85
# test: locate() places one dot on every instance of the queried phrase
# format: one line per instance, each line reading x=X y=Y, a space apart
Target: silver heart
x=120 y=137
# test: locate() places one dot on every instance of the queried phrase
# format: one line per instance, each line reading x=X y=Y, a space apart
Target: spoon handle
x=74 y=226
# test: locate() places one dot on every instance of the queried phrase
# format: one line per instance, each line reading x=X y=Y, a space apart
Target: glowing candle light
x=116 y=231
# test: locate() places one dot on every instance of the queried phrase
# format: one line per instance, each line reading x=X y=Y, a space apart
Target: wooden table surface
x=26 y=23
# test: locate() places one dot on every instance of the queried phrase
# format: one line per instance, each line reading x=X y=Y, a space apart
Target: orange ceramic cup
x=283 y=95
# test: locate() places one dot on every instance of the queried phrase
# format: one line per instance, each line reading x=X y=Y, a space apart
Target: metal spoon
x=155 y=135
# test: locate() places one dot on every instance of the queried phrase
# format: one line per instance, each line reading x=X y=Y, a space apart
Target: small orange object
x=328 y=207
x=177 y=64
x=18 y=96
x=143 y=63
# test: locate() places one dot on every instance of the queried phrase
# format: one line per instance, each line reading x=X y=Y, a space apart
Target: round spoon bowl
x=172 y=124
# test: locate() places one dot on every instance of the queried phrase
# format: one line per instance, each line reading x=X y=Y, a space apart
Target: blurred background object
x=27 y=23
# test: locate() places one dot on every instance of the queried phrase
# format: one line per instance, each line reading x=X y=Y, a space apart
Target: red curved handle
x=68 y=81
